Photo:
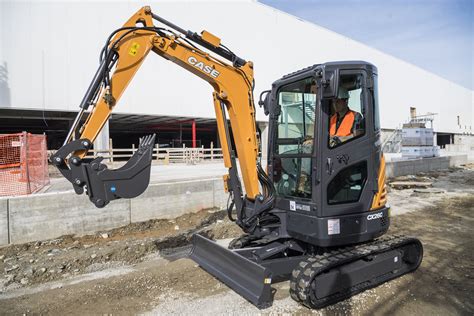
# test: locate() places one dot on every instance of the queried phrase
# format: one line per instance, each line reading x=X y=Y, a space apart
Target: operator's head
x=340 y=103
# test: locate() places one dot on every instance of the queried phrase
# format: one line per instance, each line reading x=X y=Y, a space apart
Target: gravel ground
x=124 y=271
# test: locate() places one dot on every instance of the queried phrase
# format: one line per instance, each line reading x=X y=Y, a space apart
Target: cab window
x=347 y=116
x=295 y=139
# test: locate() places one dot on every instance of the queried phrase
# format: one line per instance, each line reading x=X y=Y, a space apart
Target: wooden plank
x=400 y=185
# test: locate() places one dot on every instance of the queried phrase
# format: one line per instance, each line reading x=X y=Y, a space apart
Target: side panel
x=341 y=230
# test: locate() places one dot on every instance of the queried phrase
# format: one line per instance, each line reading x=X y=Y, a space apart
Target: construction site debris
x=45 y=261
x=401 y=185
x=429 y=191
x=129 y=274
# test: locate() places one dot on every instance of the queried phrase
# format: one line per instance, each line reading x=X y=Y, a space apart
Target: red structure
x=194 y=133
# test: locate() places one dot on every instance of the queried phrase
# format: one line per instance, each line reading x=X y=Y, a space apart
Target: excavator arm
x=232 y=80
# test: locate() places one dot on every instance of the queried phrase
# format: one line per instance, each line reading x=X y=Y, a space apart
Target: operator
x=345 y=123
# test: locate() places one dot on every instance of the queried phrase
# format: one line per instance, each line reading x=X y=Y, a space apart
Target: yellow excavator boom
x=232 y=86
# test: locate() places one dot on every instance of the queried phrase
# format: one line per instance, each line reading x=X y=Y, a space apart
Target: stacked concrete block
x=417 y=137
x=429 y=136
x=418 y=141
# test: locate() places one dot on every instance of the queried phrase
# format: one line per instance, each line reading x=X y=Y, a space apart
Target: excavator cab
x=326 y=165
x=324 y=150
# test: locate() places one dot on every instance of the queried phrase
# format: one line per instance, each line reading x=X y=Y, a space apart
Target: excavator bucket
x=129 y=181
x=244 y=276
x=102 y=184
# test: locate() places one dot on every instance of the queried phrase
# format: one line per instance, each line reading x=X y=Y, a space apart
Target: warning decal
x=334 y=227
x=292 y=206
x=134 y=49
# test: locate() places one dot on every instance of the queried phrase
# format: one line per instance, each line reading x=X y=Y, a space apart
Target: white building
x=51 y=51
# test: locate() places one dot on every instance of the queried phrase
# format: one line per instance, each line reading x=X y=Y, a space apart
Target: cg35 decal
x=374 y=216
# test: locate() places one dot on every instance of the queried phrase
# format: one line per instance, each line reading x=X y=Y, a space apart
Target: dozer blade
x=246 y=277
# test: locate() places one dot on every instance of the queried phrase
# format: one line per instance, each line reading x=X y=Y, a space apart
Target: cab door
x=347 y=161
x=294 y=138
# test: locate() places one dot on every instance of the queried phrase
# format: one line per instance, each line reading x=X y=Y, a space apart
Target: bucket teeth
x=146 y=141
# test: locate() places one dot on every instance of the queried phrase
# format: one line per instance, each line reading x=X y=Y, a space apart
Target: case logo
x=205 y=68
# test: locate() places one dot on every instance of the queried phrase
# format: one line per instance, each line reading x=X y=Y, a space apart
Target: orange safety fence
x=23 y=163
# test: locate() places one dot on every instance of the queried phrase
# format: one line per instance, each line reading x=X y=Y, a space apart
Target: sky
x=436 y=35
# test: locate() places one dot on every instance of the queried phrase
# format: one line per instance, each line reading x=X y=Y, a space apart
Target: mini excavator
x=316 y=217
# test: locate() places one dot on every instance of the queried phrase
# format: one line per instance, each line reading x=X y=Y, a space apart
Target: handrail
x=160 y=155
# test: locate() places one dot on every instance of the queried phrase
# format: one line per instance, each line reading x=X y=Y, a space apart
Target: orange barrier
x=23 y=164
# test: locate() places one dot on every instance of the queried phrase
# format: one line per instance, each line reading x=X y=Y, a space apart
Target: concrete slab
x=51 y=215
x=395 y=168
x=160 y=174
x=401 y=185
x=404 y=170
x=169 y=200
x=435 y=164
x=220 y=196
x=458 y=160
x=3 y=222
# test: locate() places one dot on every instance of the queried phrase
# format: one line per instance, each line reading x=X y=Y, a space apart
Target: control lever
x=329 y=165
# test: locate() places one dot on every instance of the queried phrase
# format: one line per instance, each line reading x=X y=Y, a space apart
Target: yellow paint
x=226 y=178
x=380 y=198
x=211 y=38
x=232 y=87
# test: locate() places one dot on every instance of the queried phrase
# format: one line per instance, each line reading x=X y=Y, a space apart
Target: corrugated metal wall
x=52 y=50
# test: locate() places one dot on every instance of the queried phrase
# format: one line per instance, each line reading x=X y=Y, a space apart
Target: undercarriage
x=318 y=276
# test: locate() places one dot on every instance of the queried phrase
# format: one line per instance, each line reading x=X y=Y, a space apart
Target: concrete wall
x=414 y=166
x=50 y=215
x=457 y=160
x=45 y=216
x=464 y=139
x=4 y=222
x=170 y=201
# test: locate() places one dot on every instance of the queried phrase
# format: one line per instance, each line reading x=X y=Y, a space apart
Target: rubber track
x=301 y=281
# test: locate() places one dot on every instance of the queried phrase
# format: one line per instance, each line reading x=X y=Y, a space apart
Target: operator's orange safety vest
x=345 y=128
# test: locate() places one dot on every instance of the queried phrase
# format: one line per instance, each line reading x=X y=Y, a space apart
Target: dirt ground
x=130 y=270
